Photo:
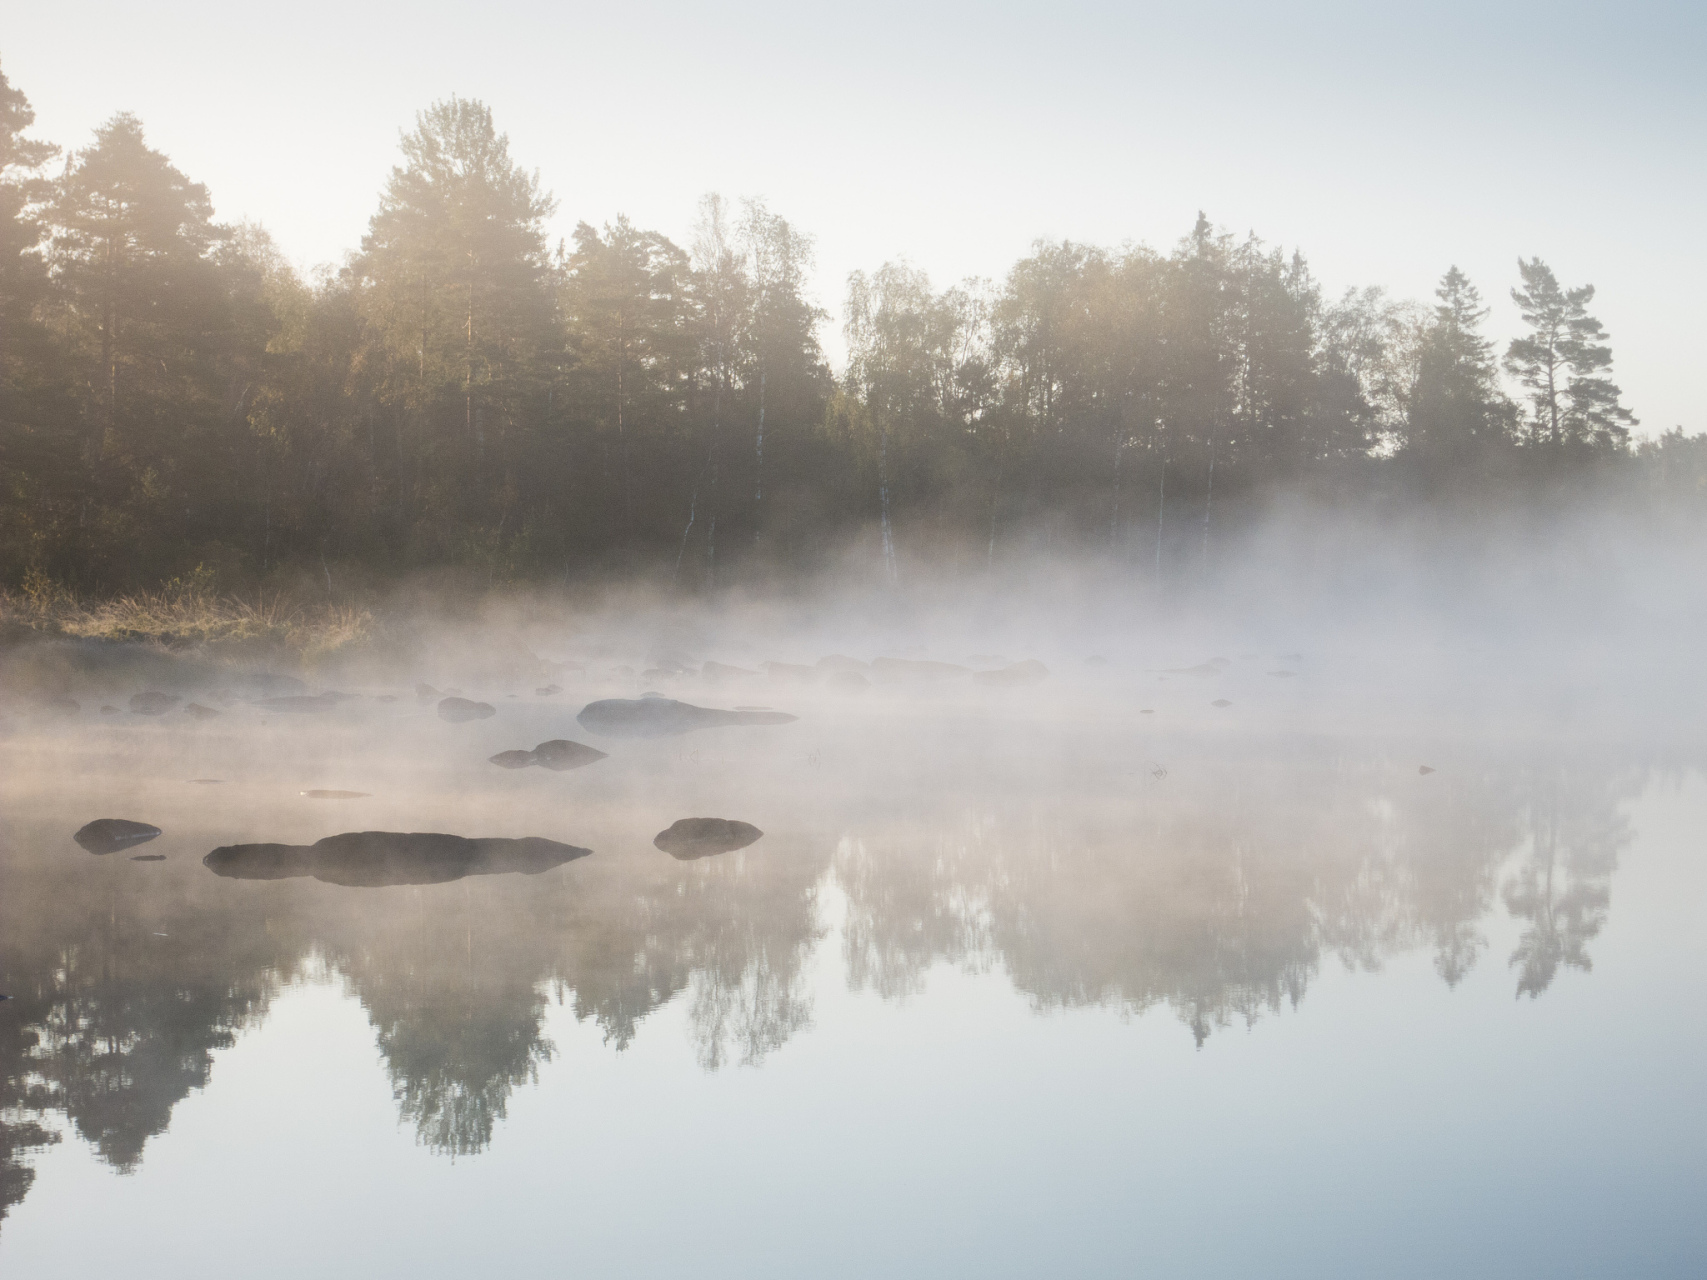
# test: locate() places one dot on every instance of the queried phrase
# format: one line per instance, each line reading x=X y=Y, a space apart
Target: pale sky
x=1387 y=142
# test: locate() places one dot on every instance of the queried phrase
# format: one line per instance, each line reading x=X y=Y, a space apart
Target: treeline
x=461 y=392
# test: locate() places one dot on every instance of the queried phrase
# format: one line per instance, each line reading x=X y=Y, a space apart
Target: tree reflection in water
x=1216 y=892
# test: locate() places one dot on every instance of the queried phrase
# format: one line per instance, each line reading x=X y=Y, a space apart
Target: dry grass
x=186 y=613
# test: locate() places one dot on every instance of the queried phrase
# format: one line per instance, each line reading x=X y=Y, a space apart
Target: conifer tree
x=1456 y=408
x=1563 y=362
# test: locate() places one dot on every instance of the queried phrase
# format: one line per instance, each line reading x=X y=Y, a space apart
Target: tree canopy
x=174 y=394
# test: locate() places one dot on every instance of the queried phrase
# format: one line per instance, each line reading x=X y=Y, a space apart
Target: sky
x=1386 y=142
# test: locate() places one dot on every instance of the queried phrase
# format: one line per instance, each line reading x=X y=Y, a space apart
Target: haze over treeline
x=464 y=393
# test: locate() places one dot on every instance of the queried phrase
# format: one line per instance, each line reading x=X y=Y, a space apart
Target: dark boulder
x=914 y=671
x=723 y=671
x=562 y=755
x=559 y=755
x=298 y=703
x=664 y=717
x=689 y=838
x=374 y=859
x=109 y=835
x=462 y=710
x=838 y=663
x=1031 y=671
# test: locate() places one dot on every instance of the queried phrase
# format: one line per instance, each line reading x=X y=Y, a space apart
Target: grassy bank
x=188 y=615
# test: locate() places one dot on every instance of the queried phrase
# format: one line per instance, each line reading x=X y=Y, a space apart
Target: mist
x=541 y=735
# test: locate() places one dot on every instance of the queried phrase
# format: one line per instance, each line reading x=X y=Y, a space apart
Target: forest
x=461 y=394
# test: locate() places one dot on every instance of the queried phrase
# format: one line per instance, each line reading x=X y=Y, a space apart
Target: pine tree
x=144 y=313
x=1456 y=408
x=1563 y=361
x=454 y=285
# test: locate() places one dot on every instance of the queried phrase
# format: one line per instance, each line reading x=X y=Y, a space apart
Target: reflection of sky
x=1388 y=1126
x=1388 y=142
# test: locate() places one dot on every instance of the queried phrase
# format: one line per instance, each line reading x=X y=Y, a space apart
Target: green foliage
x=173 y=393
x=1563 y=363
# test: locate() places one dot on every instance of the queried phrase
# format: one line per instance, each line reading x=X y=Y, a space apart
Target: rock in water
x=148 y=857
x=1220 y=703
x=320 y=794
x=1031 y=671
x=153 y=703
x=198 y=712
x=689 y=838
x=373 y=859
x=298 y=703
x=840 y=663
x=461 y=710
x=914 y=671
x=561 y=755
x=723 y=671
x=1423 y=770
x=664 y=717
x=109 y=835
x=261 y=861
x=1203 y=670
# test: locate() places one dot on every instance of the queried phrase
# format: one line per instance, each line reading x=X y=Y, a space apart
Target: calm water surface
x=1017 y=983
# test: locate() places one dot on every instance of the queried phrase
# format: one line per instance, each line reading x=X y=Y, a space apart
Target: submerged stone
x=1031 y=671
x=375 y=859
x=148 y=857
x=298 y=703
x=914 y=671
x=109 y=835
x=723 y=671
x=561 y=755
x=462 y=710
x=689 y=838
x=656 y=717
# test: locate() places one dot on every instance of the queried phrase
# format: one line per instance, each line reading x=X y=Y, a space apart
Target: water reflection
x=1215 y=887
x=1218 y=890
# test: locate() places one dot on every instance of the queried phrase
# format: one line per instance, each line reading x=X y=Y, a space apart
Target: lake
x=1091 y=976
